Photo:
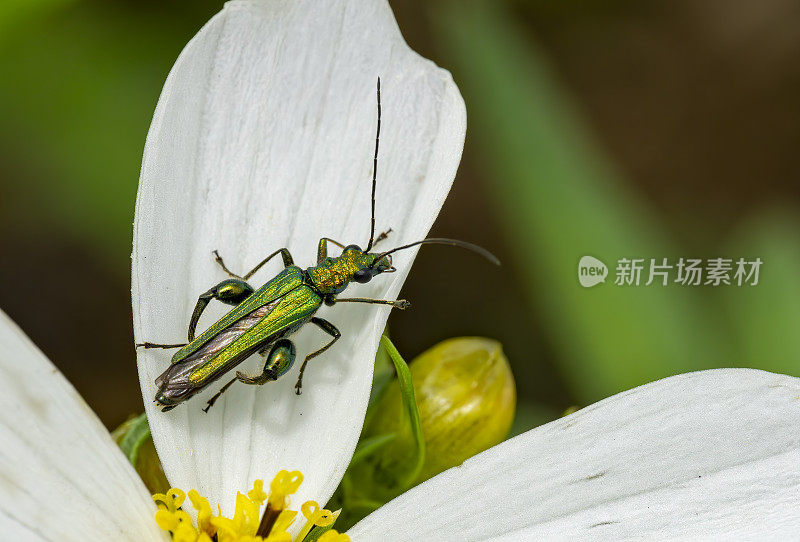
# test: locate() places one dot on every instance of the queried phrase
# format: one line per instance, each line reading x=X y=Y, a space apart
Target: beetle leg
x=279 y=360
x=322 y=248
x=285 y=254
x=155 y=345
x=217 y=395
x=288 y=261
x=397 y=304
x=229 y=291
x=331 y=330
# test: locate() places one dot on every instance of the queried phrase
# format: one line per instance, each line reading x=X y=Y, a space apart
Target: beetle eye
x=363 y=276
x=352 y=247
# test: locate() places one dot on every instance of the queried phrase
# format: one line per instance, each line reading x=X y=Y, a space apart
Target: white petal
x=714 y=454
x=263 y=138
x=61 y=475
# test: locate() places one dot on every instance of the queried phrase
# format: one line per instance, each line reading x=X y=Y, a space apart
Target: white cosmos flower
x=708 y=455
x=263 y=138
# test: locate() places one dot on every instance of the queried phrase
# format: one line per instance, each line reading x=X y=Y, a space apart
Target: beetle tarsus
x=382 y=236
x=218 y=259
x=211 y=402
x=217 y=395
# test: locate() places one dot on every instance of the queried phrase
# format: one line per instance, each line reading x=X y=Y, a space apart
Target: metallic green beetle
x=262 y=319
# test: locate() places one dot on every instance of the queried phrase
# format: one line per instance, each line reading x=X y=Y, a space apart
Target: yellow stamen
x=315 y=517
x=320 y=518
x=204 y=512
x=284 y=484
x=172 y=499
x=246 y=521
x=257 y=494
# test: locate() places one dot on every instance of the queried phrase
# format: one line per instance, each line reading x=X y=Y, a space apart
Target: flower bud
x=466 y=397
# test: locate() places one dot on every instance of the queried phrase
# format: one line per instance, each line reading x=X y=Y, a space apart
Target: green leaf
x=134 y=439
x=132 y=435
x=381 y=375
x=417 y=459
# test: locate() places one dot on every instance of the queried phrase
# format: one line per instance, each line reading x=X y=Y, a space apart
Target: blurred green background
x=617 y=129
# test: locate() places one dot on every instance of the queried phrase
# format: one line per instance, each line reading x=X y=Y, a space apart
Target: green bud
x=134 y=439
x=466 y=397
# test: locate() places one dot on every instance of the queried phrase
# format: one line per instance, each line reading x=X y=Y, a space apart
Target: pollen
x=249 y=523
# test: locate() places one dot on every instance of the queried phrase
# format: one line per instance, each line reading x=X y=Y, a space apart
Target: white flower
x=61 y=475
x=263 y=138
x=712 y=455
x=708 y=455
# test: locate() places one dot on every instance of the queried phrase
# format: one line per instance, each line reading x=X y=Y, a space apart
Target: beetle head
x=368 y=264
x=165 y=402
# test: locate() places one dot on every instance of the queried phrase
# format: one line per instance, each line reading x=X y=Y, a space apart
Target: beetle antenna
x=441 y=241
x=375 y=170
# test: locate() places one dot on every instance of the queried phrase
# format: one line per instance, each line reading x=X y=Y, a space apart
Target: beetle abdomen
x=174 y=383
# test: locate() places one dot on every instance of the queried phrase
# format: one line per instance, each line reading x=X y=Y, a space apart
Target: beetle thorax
x=333 y=274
